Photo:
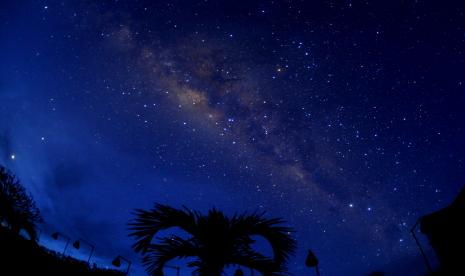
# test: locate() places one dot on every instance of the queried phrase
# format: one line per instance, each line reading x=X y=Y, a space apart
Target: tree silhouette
x=17 y=208
x=215 y=241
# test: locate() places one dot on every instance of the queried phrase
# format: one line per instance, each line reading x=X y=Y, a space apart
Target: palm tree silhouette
x=17 y=208
x=215 y=241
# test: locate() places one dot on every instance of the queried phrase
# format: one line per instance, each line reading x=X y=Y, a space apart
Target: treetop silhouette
x=17 y=208
x=214 y=240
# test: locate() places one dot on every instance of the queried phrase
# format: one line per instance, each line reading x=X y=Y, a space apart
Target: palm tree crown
x=214 y=241
x=17 y=209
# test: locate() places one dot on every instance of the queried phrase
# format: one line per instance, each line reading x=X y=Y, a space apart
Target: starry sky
x=346 y=118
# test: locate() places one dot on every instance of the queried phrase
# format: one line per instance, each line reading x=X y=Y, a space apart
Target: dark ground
x=20 y=256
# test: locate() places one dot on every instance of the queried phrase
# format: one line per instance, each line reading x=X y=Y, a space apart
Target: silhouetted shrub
x=17 y=208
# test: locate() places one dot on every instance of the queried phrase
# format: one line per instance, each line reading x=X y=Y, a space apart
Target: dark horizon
x=345 y=118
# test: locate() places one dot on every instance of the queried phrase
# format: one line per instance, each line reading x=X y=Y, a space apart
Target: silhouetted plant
x=214 y=240
x=376 y=273
x=17 y=208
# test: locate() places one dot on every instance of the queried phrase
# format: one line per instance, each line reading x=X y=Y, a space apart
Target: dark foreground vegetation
x=445 y=230
x=215 y=241
x=22 y=255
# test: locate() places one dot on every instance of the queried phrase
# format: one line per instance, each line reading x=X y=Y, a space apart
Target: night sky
x=345 y=118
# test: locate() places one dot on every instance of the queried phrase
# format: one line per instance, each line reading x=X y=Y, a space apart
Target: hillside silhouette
x=21 y=256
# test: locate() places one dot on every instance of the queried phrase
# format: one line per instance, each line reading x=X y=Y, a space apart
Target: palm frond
x=264 y=265
x=216 y=240
x=148 y=223
x=271 y=229
x=166 y=249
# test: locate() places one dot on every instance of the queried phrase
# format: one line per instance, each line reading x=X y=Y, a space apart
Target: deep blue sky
x=345 y=118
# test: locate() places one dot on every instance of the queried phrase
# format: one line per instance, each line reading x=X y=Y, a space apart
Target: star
x=316 y=121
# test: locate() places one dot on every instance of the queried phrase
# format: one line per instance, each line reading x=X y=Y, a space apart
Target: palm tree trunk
x=211 y=270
